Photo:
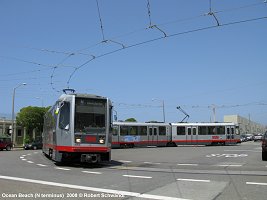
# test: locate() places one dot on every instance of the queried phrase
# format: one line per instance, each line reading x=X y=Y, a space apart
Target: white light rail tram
x=78 y=128
x=133 y=134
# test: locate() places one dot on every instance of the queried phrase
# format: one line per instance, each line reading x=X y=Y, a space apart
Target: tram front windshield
x=90 y=116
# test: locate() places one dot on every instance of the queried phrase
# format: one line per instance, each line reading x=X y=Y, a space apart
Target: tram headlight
x=78 y=140
x=102 y=140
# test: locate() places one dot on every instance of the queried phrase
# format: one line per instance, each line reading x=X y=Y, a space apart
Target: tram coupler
x=90 y=158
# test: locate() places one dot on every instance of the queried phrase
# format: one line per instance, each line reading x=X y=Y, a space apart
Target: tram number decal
x=226 y=155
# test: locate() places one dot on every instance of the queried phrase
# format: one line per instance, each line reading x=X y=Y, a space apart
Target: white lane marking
x=152 y=163
x=23 y=155
x=193 y=180
x=125 y=161
x=30 y=161
x=187 y=164
x=226 y=155
x=23 y=159
x=79 y=187
x=229 y=165
x=132 y=176
x=61 y=168
x=41 y=165
x=29 y=154
x=90 y=172
x=35 y=152
x=253 y=183
x=244 y=151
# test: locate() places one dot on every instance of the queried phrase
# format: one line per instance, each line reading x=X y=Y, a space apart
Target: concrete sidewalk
x=17 y=148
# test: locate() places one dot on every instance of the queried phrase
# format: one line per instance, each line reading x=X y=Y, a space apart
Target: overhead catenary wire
x=79 y=52
x=163 y=37
x=211 y=13
x=151 y=25
x=101 y=23
x=122 y=46
x=54 y=69
x=25 y=61
x=24 y=72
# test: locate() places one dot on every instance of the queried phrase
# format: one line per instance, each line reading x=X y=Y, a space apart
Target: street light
x=13 y=135
x=163 y=108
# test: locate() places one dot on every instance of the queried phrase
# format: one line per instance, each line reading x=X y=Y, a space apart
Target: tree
x=131 y=120
x=32 y=118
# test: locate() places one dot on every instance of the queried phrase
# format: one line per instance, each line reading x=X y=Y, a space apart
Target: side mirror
x=57 y=110
x=59 y=107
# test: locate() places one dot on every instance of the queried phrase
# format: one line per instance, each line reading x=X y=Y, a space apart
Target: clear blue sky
x=224 y=66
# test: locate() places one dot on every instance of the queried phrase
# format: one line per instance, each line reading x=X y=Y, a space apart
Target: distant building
x=6 y=127
x=246 y=126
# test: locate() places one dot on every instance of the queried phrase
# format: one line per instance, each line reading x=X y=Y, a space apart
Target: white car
x=257 y=137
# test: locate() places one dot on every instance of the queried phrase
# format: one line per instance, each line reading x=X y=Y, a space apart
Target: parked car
x=34 y=145
x=257 y=137
x=264 y=146
x=243 y=138
x=249 y=137
x=5 y=143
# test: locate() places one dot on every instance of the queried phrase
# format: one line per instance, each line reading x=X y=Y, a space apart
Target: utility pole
x=213 y=107
x=13 y=130
x=163 y=108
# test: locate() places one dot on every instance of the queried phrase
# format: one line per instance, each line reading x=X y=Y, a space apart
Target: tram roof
x=141 y=123
x=205 y=124
x=80 y=95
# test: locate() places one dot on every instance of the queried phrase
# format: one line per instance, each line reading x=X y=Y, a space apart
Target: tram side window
x=180 y=130
x=64 y=118
x=220 y=130
x=115 y=130
x=162 y=130
x=142 y=130
x=132 y=130
x=211 y=130
x=202 y=130
x=123 y=130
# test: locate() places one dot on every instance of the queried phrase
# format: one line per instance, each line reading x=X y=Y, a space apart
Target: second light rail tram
x=133 y=134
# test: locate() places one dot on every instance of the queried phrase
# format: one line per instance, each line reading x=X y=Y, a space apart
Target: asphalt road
x=184 y=172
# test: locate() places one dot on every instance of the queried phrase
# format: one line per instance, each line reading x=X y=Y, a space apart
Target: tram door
x=192 y=136
x=230 y=133
x=153 y=135
x=115 y=136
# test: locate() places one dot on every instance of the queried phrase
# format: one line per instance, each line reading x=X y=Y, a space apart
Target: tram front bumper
x=90 y=158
